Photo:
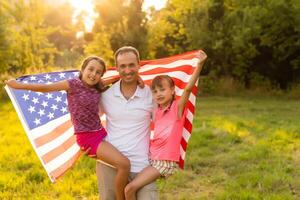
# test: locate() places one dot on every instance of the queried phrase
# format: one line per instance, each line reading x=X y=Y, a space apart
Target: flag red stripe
x=183 y=144
x=191 y=107
x=168 y=60
x=188 y=125
x=53 y=134
x=59 y=150
x=188 y=69
x=181 y=163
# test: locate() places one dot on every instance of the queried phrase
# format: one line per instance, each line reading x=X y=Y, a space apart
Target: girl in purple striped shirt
x=83 y=95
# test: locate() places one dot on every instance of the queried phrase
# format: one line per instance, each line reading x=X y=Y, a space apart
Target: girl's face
x=92 y=73
x=163 y=95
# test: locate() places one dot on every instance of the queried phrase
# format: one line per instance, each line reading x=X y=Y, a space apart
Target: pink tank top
x=165 y=144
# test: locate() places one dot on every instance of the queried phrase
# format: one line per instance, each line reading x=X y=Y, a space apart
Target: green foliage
x=63 y=35
x=242 y=38
x=120 y=23
x=5 y=48
x=28 y=36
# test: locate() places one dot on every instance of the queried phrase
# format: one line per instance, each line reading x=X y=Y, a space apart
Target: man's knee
x=148 y=192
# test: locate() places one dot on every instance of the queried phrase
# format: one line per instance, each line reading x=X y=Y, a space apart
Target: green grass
x=241 y=148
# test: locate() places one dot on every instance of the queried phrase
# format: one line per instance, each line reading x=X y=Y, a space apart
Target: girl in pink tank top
x=168 y=126
x=83 y=95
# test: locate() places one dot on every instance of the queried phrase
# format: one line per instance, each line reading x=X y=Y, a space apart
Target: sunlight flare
x=84 y=9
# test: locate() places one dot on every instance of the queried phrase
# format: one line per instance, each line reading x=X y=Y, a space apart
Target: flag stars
x=49 y=96
x=61 y=75
x=47 y=77
x=63 y=92
x=35 y=100
x=54 y=107
x=76 y=73
x=45 y=104
x=37 y=121
x=39 y=93
x=25 y=97
x=50 y=115
x=32 y=78
x=63 y=109
x=58 y=99
x=41 y=112
x=31 y=109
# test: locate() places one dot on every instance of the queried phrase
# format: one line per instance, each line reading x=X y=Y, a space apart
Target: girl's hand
x=202 y=56
x=13 y=83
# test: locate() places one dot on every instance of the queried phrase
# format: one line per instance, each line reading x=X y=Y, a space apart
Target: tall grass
x=241 y=148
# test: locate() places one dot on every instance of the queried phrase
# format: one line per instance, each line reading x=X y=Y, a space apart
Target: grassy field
x=241 y=148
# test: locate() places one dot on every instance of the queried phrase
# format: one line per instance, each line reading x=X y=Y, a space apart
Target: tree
x=63 y=35
x=244 y=39
x=5 y=48
x=120 y=23
x=29 y=36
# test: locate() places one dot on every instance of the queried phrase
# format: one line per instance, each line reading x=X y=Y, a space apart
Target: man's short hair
x=127 y=49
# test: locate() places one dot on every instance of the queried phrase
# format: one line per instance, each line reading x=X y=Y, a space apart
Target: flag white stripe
x=189 y=116
x=49 y=127
x=192 y=62
x=179 y=92
x=62 y=158
x=182 y=153
x=186 y=134
x=55 y=142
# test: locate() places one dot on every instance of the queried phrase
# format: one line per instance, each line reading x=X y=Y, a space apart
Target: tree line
x=244 y=39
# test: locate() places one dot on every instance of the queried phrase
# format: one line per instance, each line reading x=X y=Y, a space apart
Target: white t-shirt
x=128 y=123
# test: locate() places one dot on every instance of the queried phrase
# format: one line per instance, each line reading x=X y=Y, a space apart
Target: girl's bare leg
x=109 y=154
x=146 y=176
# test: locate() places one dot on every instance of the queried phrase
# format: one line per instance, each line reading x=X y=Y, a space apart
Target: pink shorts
x=90 y=140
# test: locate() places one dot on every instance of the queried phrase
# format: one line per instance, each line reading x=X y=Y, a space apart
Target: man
x=128 y=110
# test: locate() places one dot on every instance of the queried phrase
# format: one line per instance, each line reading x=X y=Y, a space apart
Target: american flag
x=46 y=120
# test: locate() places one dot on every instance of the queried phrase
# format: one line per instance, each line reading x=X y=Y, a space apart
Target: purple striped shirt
x=83 y=103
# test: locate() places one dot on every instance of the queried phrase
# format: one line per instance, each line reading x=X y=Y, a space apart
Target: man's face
x=128 y=67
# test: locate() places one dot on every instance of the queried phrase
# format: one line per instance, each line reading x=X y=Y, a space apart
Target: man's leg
x=106 y=178
x=148 y=192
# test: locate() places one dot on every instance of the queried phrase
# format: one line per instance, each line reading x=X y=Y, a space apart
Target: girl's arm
x=188 y=88
x=107 y=82
x=62 y=85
